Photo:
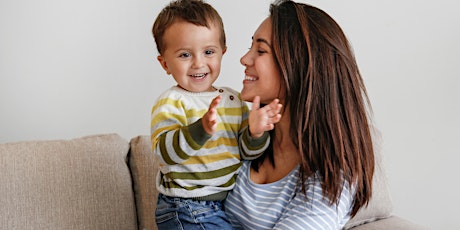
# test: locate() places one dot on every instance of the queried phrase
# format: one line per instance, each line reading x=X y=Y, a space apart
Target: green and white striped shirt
x=194 y=164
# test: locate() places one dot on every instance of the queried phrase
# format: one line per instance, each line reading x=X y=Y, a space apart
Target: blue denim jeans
x=188 y=214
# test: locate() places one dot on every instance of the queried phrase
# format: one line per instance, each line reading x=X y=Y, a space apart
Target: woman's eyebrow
x=262 y=40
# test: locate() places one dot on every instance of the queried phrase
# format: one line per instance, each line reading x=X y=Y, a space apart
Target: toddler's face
x=192 y=55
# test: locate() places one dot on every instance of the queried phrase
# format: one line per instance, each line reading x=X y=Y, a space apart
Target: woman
x=317 y=172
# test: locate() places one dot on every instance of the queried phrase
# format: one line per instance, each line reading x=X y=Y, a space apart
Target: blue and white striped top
x=283 y=205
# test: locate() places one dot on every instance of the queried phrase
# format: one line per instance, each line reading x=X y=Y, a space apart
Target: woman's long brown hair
x=327 y=99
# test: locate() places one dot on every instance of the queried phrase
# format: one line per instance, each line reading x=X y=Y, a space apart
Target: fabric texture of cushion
x=393 y=223
x=144 y=168
x=83 y=183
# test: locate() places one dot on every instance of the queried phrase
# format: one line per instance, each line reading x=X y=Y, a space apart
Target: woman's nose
x=245 y=60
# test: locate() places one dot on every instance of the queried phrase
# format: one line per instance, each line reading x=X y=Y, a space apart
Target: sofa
x=107 y=182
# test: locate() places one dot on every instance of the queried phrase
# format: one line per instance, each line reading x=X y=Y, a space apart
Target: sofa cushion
x=380 y=205
x=144 y=169
x=393 y=223
x=82 y=183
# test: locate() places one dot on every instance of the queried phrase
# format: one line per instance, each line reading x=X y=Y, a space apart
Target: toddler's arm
x=175 y=141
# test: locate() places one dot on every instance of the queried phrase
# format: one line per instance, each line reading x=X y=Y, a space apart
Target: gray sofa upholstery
x=107 y=182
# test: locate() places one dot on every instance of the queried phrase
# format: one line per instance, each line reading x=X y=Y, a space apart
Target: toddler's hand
x=263 y=119
x=209 y=119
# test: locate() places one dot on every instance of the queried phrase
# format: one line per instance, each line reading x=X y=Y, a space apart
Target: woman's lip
x=250 y=78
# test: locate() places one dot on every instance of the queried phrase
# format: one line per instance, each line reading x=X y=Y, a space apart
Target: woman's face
x=262 y=77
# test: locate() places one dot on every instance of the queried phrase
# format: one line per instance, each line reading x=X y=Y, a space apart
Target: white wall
x=75 y=68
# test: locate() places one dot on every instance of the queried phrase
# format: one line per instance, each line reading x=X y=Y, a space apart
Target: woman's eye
x=261 y=51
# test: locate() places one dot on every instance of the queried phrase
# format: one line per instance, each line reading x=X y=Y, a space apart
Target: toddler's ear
x=163 y=64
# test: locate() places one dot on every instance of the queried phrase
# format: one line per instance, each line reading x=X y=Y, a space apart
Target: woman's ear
x=163 y=64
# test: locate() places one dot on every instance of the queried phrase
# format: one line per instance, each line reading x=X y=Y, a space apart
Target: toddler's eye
x=185 y=55
x=209 y=52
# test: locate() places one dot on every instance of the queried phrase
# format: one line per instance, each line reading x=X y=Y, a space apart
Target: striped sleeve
x=251 y=148
x=173 y=139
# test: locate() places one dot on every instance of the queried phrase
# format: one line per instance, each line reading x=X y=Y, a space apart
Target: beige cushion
x=380 y=206
x=144 y=169
x=391 y=223
x=82 y=183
